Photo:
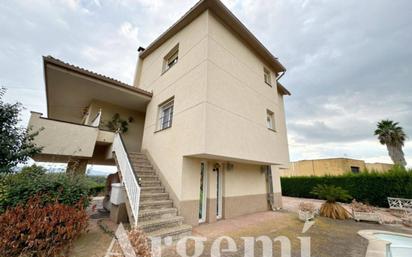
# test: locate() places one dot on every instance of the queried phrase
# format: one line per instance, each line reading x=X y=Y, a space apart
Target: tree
x=392 y=135
x=16 y=143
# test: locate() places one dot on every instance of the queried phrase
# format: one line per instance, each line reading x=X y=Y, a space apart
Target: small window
x=354 y=169
x=166 y=114
x=171 y=58
x=267 y=78
x=270 y=120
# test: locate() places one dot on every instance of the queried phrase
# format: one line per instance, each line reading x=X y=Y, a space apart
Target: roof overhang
x=222 y=12
x=282 y=90
x=70 y=89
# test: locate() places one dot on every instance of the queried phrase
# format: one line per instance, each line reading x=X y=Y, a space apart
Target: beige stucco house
x=332 y=166
x=205 y=118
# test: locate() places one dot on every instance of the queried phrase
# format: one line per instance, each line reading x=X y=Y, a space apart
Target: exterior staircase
x=157 y=216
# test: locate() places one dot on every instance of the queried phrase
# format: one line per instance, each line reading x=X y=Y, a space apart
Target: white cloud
x=129 y=31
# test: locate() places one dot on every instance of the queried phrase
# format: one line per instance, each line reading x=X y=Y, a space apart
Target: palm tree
x=332 y=194
x=393 y=136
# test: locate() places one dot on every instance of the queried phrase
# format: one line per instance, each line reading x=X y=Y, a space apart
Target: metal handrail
x=129 y=176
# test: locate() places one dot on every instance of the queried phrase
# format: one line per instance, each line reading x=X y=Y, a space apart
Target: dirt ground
x=332 y=238
x=328 y=237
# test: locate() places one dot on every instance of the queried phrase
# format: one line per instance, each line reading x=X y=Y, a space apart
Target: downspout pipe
x=270 y=194
x=281 y=75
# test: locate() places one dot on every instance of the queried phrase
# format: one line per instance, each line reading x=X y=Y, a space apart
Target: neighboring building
x=331 y=166
x=206 y=124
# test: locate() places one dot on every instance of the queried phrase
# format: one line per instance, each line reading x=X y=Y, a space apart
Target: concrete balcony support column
x=77 y=166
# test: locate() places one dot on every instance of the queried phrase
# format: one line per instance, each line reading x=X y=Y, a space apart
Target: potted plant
x=361 y=211
x=331 y=208
x=306 y=211
x=117 y=124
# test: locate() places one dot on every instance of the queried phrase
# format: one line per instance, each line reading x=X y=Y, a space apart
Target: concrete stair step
x=153 y=225
x=142 y=169
x=151 y=214
x=146 y=205
x=174 y=232
x=137 y=154
x=149 y=180
x=154 y=196
x=142 y=165
x=145 y=173
x=138 y=157
x=150 y=183
x=154 y=189
x=149 y=176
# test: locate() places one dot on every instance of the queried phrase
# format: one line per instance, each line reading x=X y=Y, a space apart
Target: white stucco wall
x=220 y=106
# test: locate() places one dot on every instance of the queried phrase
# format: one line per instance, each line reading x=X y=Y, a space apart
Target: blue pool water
x=401 y=246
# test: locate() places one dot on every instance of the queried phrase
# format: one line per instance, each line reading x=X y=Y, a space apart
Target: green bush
x=331 y=193
x=18 y=188
x=97 y=185
x=367 y=187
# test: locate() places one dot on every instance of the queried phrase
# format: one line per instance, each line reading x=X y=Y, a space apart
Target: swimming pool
x=401 y=246
x=387 y=244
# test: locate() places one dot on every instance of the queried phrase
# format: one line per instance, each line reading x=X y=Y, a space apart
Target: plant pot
x=306 y=215
x=367 y=216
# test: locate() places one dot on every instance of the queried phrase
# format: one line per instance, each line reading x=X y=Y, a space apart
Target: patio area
x=332 y=238
x=328 y=237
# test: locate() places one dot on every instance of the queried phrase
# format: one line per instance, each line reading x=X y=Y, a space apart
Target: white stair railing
x=129 y=178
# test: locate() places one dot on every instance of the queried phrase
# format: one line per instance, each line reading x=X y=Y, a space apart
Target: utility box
x=117 y=196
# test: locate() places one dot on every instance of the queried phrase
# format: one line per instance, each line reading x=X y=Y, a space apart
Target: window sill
x=160 y=130
x=171 y=67
x=273 y=130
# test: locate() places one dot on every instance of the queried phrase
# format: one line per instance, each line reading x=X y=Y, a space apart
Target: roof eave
x=282 y=90
x=84 y=72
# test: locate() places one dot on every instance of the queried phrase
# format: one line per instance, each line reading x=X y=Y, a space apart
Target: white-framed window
x=270 y=120
x=171 y=58
x=166 y=114
x=267 y=77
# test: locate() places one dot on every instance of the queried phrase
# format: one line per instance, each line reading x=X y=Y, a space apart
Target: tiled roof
x=54 y=61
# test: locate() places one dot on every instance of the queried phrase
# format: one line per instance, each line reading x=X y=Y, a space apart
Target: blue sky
x=349 y=62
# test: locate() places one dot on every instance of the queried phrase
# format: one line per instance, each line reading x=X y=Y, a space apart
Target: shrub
x=18 y=188
x=367 y=187
x=96 y=184
x=38 y=229
x=331 y=193
x=140 y=243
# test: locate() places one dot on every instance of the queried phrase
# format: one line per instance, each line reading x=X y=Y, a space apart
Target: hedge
x=18 y=188
x=367 y=187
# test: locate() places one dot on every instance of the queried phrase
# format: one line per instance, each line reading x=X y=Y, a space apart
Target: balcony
x=63 y=141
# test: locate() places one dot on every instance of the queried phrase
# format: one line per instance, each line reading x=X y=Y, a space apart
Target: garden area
x=42 y=213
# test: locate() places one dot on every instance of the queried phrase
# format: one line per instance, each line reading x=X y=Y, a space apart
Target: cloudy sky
x=349 y=62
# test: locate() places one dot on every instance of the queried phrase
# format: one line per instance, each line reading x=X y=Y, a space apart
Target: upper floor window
x=171 y=58
x=166 y=114
x=270 y=120
x=266 y=74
